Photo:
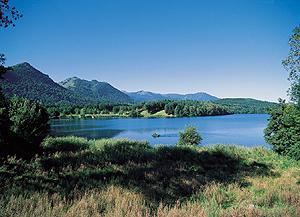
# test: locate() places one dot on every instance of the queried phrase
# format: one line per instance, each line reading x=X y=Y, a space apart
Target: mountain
x=150 y=96
x=95 y=91
x=26 y=81
x=144 y=96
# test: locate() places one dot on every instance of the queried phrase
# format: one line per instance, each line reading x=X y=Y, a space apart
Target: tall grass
x=119 y=177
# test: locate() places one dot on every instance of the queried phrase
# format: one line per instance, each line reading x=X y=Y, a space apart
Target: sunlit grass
x=119 y=177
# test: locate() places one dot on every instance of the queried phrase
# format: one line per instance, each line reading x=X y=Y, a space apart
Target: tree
x=29 y=125
x=4 y=121
x=189 y=136
x=292 y=65
x=283 y=130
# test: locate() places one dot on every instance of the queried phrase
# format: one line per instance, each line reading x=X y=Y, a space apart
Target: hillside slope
x=25 y=81
x=95 y=91
x=246 y=105
x=140 y=96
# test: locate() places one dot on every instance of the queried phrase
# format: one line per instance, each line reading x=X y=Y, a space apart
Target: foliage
x=25 y=81
x=134 y=114
x=3 y=69
x=95 y=91
x=189 y=136
x=165 y=108
x=4 y=121
x=292 y=65
x=155 y=106
x=128 y=178
x=29 y=120
x=146 y=96
x=24 y=125
x=2 y=59
x=283 y=130
x=246 y=106
x=8 y=14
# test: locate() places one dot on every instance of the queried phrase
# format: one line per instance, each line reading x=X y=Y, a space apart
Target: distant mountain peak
x=143 y=95
x=95 y=90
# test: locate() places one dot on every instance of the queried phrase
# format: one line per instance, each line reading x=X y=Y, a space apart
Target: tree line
x=173 y=108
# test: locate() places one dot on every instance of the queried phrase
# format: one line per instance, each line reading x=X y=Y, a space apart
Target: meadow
x=74 y=176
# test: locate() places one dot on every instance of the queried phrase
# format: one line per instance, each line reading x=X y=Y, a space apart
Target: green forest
x=163 y=108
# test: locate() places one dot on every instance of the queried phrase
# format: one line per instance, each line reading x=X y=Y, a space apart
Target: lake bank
x=79 y=177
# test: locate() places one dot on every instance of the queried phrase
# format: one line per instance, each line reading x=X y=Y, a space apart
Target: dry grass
x=266 y=185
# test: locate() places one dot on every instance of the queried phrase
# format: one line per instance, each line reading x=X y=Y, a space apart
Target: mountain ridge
x=142 y=95
x=26 y=81
x=95 y=90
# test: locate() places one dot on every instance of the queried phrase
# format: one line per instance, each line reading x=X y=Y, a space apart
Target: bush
x=4 y=121
x=29 y=126
x=283 y=131
x=189 y=136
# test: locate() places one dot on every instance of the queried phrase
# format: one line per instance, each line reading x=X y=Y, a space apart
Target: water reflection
x=244 y=130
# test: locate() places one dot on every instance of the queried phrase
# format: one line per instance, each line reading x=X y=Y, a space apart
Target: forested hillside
x=140 y=96
x=95 y=91
x=26 y=81
x=246 y=105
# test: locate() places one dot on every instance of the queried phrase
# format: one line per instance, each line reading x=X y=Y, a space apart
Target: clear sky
x=228 y=48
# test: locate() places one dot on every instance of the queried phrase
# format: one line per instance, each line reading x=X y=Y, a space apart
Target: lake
x=242 y=129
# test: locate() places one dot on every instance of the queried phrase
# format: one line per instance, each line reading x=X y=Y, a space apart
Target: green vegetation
x=283 y=130
x=189 y=136
x=145 y=96
x=24 y=124
x=292 y=65
x=246 y=106
x=109 y=177
x=25 y=81
x=95 y=91
x=4 y=119
x=164 y=108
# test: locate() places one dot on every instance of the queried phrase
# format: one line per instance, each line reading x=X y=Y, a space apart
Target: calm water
x=246 y=130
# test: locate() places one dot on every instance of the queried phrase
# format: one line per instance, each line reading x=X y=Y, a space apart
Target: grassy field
x=160 y=114
x=117 y=177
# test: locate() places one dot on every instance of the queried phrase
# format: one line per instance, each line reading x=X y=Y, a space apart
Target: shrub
x=189 y=136
x=4 y=122
x=29 y=125
x=283 y=131
x=134 y=114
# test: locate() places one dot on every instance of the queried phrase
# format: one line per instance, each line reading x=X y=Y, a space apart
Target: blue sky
x=228 y=48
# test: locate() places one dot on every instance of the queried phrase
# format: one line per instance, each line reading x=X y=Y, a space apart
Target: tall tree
x=283 y=130
x=292 y=65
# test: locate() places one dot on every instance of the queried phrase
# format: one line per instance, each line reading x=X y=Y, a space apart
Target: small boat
x=155 y=135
